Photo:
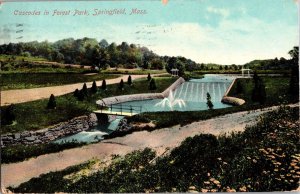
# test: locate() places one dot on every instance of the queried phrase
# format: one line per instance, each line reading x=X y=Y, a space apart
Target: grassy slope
x=263 y=158
x=34 y=115
x=35 y=80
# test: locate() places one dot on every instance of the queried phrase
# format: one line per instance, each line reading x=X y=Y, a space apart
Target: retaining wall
x=134 y=97
x=46 y=135
x=232 y=100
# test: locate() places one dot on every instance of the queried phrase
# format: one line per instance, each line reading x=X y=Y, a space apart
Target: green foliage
x=7 y=115
x=19 y=153
x=103 y=86
x=129 y=81
x=152 y=85
x=76 y=93
x=209 y=103
x=52 y=102
x=149 y=77
x=81 y=95
x=84 y=89
x=265 y=157
x=121 y=85
x=94 y=87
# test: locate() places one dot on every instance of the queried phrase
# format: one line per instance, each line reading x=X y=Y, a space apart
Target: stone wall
x=49 y=134
x=134 y=97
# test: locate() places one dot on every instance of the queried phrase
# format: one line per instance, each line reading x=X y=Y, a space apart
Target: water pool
x=193 y=93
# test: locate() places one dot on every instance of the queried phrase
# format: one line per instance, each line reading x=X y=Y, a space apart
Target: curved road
x=159 y=140
x=25 y=95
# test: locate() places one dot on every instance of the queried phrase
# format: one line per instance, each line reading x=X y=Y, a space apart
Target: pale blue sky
x=217 y=31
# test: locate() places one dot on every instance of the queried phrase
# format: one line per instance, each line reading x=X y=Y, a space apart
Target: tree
x=129 y=81
x=294 y=81
x=152 y=85
x=121 y=85
x=103 y=86
x=84 y=89
x=149 y=77
x=81 y=95
x=76 y=92
x=259 y=91
x=7 y=115
x=94 y=87
x=52 y=102
x=209 y=103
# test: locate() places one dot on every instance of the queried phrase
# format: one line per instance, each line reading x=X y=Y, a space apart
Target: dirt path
x=25 y=95
x=159 y=140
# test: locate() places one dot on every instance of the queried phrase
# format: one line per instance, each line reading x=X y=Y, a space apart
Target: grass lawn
x=35 y=80
x=277 y=90
x=34 y=115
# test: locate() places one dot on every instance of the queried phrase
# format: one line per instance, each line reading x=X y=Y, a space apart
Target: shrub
x=52 y=102
x=76 y=93
x=81 y=95
x=129 y=81
x=259 y=91
x=84 y=89
x=94 y=87
x=149 y=77
x=239 y=87
x=103 y=86
x=7 y=115
x=152 y=85
x=209 y=103
x=121 y=85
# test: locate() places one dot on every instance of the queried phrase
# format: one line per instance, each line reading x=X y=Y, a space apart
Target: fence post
x=130 y=109
x=111 y=108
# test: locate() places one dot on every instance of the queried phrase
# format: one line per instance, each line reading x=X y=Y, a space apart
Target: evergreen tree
x=76 y=92
x=81 y=95
x=209 y=103
x=129 y=81
x=103 y=86
x=94 y=87
x=52 y=102
x=84 y=89
x=152 y=85
x=121 y=85
x=294 y=81
x=7 y=115
x=149 y=77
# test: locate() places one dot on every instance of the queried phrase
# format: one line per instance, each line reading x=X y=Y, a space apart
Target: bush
x=209 y=103
x=129 y=81
x=94 y=87
x=81 y=95
x=103 y=86
x=76 y=93
x=152 y=85
x=121 y=85
x=52 y=102
x=7 y=115
x=259 y=91
x=149 y=77
x=84 y=89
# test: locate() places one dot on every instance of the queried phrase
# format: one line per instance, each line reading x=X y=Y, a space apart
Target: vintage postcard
x=154 y=96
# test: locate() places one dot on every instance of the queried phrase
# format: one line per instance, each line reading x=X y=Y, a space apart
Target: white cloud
x=219 y=11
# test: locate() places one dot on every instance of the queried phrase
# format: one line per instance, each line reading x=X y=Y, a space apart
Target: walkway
x=159 y=140
x=26 y=95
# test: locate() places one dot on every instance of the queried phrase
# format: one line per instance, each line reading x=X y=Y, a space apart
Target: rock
x=17 y=135
x=30 y=139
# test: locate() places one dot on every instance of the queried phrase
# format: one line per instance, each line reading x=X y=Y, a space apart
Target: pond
x=189 y=96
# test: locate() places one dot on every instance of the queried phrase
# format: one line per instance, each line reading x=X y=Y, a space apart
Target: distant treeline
x=90 y=52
